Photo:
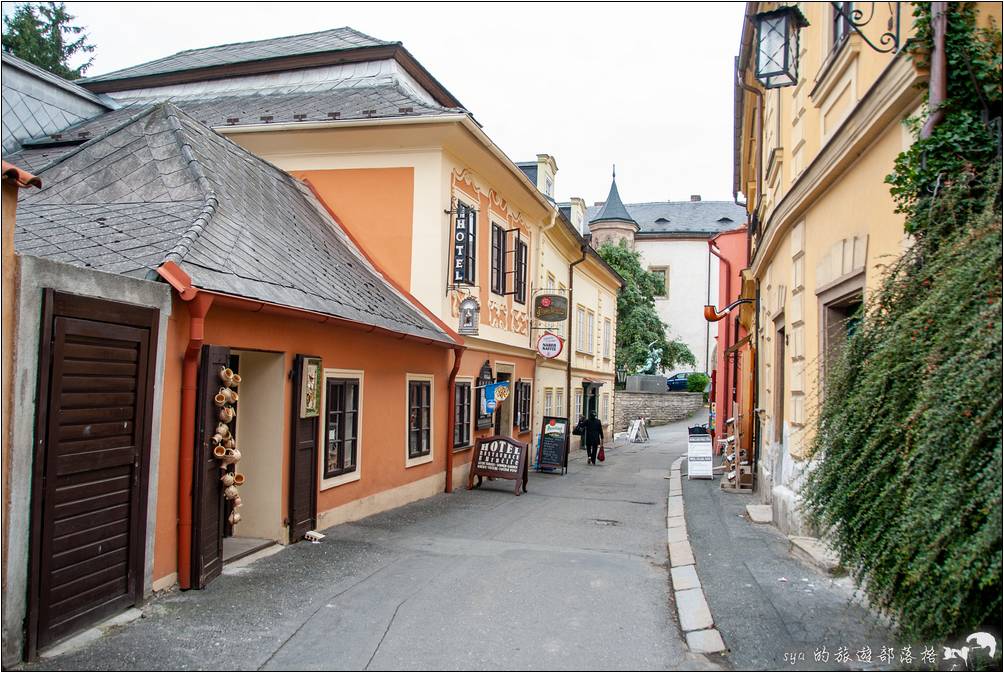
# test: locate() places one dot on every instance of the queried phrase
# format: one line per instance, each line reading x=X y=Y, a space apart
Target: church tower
x=613 y=223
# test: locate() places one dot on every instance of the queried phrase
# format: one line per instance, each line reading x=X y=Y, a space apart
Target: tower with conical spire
x=613 y=223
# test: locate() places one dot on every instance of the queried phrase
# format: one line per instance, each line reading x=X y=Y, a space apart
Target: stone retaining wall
x=659 y=408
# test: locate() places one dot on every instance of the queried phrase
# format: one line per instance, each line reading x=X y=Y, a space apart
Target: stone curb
x=691 y=605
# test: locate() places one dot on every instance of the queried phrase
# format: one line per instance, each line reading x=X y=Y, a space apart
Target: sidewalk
x=774 y=611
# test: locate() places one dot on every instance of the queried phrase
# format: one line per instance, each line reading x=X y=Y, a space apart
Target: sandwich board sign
x=552 y=453
x=638 y=431
x=501 y=458
x=699 y=462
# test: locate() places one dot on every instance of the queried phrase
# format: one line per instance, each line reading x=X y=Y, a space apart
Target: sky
x=645 y=86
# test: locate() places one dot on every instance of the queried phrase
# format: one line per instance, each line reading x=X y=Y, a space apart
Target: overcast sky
x=646 y=86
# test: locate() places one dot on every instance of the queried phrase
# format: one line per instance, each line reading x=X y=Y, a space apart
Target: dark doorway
x=503 y=410
x=779 y=349
x=90 y=473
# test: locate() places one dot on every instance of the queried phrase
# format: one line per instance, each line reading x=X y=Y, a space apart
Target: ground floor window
x=523 y=415
x=605 y=409
x=462 y=415
x=419 y=418
x=549 y=401
x=579 y=410
x=341 y=424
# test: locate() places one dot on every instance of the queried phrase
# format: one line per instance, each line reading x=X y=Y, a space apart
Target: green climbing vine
x=907 y=480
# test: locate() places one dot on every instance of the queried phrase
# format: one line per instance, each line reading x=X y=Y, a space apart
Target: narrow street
x=571 y=575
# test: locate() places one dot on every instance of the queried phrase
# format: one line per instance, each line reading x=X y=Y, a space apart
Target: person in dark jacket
x=592 y=434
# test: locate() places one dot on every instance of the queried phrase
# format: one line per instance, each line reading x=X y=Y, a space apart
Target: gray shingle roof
x=612 y=209
x=336 y=39
x=164 y=187
x=681 y=217
x=360 y=102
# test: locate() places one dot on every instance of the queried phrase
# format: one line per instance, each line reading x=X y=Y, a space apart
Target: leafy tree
x=43 y=34
x=638 y=325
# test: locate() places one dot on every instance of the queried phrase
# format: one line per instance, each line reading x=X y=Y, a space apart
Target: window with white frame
x=590 y=331
x=498 y=260
x=462 y=415
x=522 y=407
x=579 y=410
x=549 y=401
x=419 y=419
x=340 y=427
x=605 y=409
x=559 y=401
x=521 y=253
x=608 y=329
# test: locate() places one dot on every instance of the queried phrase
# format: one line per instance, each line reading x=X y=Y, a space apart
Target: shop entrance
x=503 y=411
x=259 y=437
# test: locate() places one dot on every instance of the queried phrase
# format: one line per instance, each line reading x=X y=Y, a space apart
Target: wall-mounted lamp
x=777 y=46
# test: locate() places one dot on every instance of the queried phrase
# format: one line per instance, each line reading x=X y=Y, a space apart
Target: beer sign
x=550 y=308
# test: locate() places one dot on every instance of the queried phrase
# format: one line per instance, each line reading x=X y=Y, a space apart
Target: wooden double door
x=91 y=463
x=209 y=523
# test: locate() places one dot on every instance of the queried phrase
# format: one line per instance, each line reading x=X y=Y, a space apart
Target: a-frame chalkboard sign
x=552 y=450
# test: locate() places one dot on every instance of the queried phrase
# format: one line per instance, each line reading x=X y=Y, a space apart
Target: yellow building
x=811 y=158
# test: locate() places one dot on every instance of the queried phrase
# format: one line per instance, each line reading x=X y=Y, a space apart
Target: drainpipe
x=759 y=156
x=727 y=325
x=458 y=354
x=938 y=88
x=198 y=308
x=568 y=367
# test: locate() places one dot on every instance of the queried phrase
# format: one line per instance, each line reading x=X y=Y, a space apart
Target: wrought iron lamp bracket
x=855 y=18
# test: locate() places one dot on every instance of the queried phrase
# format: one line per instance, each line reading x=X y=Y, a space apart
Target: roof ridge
x=243 y=42
x=210 y=202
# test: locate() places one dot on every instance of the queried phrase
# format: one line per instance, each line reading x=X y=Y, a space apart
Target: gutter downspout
x=568 y=366
x=198 y=308
x=759 y=158
x=713 y=250
x=458 y=354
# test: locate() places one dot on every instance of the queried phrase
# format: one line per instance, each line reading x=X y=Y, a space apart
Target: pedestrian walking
x=592 y=433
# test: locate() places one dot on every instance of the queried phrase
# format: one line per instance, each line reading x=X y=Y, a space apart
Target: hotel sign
x=550 y=308
x=500 y=458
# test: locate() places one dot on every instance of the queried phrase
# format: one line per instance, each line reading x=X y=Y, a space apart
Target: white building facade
x=672 y=238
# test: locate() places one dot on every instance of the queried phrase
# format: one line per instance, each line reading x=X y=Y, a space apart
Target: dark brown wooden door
x=303 y=463
x=207 y=489
x=96 y=374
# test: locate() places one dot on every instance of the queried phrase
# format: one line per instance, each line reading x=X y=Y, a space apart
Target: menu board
x=553 y=450
x=500 y=458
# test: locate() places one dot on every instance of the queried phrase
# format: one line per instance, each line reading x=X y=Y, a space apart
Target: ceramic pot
x=233 y=455
x=237 y=502
x=229 y=395
x=234 y=518
x=235 y=380
x=229 y=443
x=227 y=479
x=226 y=375
x=218 y=438
x=219 y=452
x=238 y=479
x=220 y=399
x=230 y=492
x=223 y=430
x=227 y=414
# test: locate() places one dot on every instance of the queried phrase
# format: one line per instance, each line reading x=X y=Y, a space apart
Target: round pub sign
x=549 y=345
x=550 y=308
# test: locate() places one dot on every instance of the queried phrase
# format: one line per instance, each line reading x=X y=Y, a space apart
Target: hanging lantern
x=470 y=313
x=777 y=46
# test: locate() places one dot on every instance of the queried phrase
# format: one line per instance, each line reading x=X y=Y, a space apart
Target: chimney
x=598 y=203
x=695 y=197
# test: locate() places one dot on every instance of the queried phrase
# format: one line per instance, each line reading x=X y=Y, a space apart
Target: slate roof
x=163 y=187
x=353 y=102
x=681 y=217
x=336 y=39
x=612 y=209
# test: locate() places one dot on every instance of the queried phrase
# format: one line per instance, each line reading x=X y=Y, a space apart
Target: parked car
x=678 y=382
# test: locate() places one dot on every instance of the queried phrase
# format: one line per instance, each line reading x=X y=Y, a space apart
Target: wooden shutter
x=207 y=490
x=303 y=463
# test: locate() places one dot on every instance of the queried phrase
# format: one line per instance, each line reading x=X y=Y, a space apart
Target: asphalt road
x=571 y=575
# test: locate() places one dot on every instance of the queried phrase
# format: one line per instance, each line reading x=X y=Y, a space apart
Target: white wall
x=683 y=310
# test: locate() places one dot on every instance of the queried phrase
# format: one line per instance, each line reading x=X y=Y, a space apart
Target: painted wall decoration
x=310 y=395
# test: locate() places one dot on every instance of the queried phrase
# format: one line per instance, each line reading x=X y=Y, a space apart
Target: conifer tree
x=43 y=34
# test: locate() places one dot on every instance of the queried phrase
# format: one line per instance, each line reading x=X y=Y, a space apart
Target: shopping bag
x=600 y=456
